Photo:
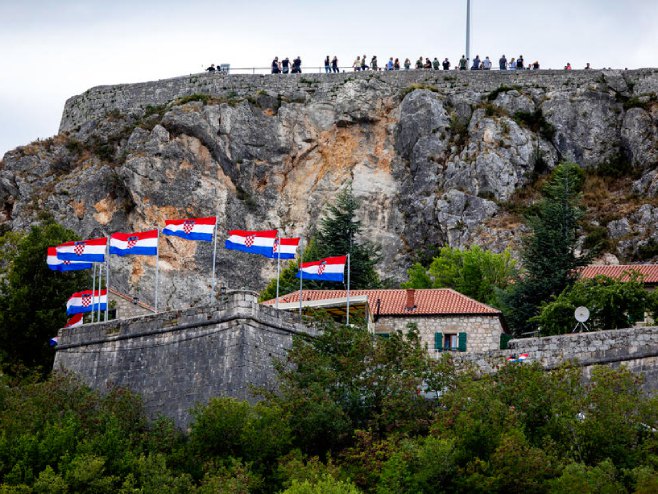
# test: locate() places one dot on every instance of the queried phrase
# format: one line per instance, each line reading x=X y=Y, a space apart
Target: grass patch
x=536 y=122
x=502 y=89
x=418 y=86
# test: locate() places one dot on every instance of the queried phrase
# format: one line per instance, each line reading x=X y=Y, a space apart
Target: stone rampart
x=635 y=348
x=129 y=98
x=178 y=359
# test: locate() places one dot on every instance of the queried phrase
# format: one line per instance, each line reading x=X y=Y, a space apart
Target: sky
x=51 y=50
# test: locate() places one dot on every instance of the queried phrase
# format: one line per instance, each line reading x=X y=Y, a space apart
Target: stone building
x=446 y=319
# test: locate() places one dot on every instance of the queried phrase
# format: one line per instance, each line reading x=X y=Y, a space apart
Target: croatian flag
x=285 y=248
x=138 y=244
x=75 y=321
x=83 y=250
x=253 y=242
x=59 y=265
x=521 y=358
x=327 y=269
x=54 y=341
x=81 y=302
x=191 y=228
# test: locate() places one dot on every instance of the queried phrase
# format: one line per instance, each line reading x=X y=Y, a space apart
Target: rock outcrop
x=436 y=158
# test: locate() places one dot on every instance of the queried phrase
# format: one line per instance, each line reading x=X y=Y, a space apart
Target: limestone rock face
x=434 y=157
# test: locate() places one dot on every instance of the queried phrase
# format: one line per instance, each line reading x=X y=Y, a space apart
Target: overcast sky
x=53 y=49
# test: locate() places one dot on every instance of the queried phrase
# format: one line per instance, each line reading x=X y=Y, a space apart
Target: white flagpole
x=278 y=269
x=157 y=259
x=214 y=258
x=301 y=276
x=348 y=290
x=107 y=281
x=100 y=283
x=93 y=291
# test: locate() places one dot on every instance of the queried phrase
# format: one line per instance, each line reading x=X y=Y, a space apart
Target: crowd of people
x=423 y=63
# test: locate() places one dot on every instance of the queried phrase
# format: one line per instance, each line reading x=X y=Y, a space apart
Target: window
x=450 y=342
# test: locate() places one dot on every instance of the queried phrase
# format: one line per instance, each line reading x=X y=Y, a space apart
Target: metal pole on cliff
x=468 y=29
x=93 y=291
x=107 y=282
x=278 y=268
x=301 y=276
x=157 y=259
x=348 y=290
x=214 y=260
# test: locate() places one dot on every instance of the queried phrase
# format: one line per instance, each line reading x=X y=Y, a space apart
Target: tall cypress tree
x=549 y=251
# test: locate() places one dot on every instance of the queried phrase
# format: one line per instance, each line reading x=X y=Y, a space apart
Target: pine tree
x=549 y=251
x=32 y=297
x=338 y=235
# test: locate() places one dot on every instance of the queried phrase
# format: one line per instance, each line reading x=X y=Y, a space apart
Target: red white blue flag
x=327 y=269
x=191 y=228
x=83 y=250
x=285 y=248
x=520 y=358
x=75 y=321
x=138 y=244
x=86 y=301
x=59 y=265
x=253 y=242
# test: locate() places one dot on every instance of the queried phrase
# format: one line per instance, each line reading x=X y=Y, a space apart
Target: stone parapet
x=178 y=359
x=101 y=100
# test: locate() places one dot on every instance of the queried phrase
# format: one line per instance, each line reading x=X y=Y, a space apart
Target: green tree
x=612 y=303
x=549 y=252
x=32 y=297
x=477 y=273
x=338 y=234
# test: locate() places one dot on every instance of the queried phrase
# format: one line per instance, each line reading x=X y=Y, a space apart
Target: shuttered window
x=462 y=342
x=438 y=341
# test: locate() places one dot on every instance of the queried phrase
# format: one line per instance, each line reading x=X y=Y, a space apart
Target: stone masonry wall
x=635 y=348
x=483 y=331
x=178 y=359
x=98 y=101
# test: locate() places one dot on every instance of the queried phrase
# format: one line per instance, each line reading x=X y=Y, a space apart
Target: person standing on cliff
x=502 y=63
x=334 y=64
x=276 y=69
x=463 y=63
x=389 y=64
x=327 y=65
x=373 y=63
x=211 y=68
x=297 y=65
x=446 y=64
x=285 y=65
x=476 y=63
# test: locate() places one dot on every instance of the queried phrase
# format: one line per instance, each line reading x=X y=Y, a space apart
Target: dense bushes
x=348 y=419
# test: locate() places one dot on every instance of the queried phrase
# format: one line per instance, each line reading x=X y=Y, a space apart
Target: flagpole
x=157 y=259
x=100 y=283
x=348 y=290
x=301 y=275
x=93 y=291
x=214 y=258
x=278 y=270
x=107 y=281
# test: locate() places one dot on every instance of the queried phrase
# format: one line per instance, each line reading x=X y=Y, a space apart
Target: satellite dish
x=581 y=314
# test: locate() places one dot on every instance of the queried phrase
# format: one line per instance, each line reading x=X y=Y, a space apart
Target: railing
x=345 y=69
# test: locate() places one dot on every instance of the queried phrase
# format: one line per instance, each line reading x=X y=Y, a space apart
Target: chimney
x=411 y=299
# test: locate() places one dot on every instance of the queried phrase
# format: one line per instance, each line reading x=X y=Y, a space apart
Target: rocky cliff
x=437 y=158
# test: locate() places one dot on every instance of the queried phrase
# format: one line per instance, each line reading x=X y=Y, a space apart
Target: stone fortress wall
x=98 y=101
x=177 y=359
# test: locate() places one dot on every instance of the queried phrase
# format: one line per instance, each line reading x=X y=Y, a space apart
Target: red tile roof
x=649 y=272
x=431 y=301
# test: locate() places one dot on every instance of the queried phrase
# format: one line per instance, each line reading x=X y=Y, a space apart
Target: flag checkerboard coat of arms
x=132 y=241
x=322 y=267
x=249 y=240
x=86 y=300
x=79 y=248
x=188 y=226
